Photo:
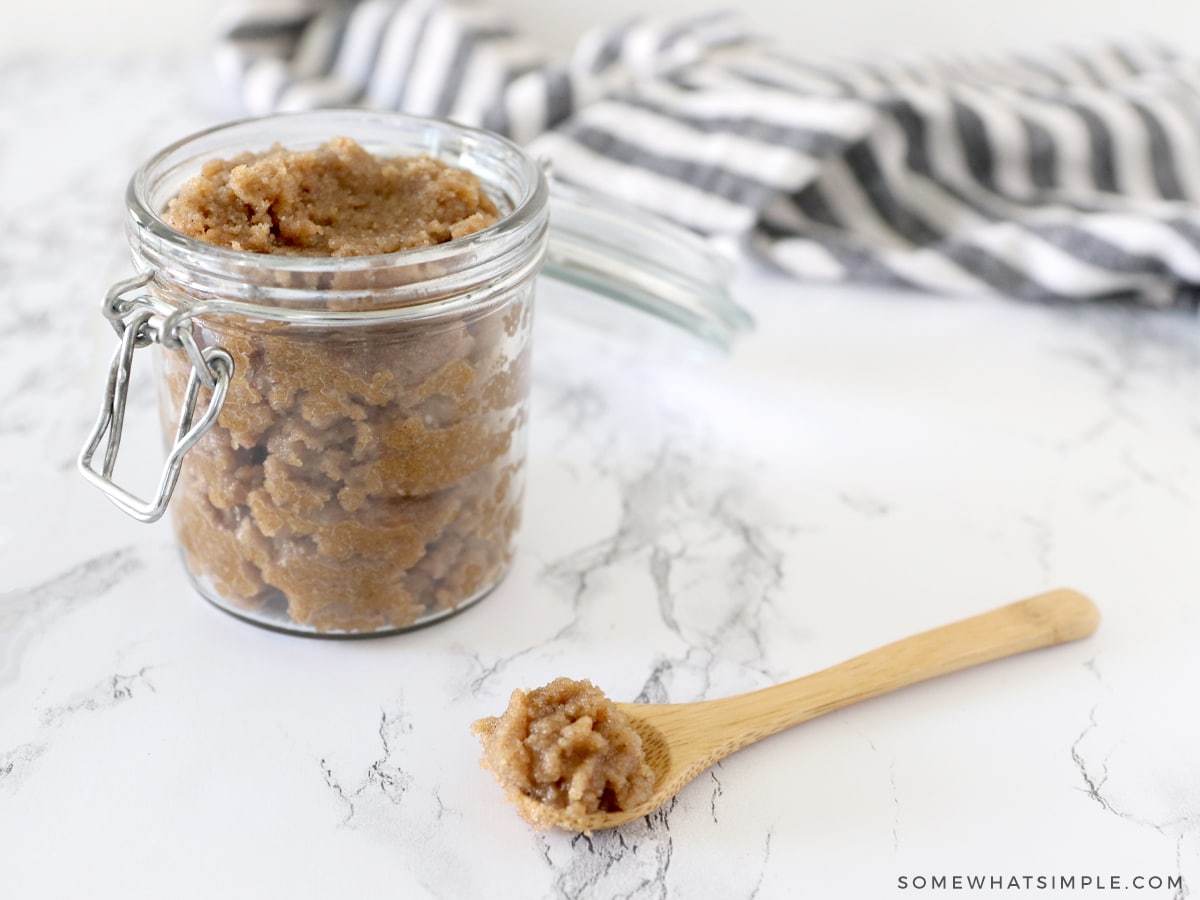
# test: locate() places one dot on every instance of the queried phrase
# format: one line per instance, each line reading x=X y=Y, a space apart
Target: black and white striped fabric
x=1065 y=176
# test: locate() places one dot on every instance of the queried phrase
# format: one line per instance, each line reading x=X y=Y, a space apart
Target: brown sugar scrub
x=358 y=478
x=567 y=746
x=336 y=200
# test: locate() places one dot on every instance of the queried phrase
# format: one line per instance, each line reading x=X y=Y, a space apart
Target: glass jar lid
x=639 y=259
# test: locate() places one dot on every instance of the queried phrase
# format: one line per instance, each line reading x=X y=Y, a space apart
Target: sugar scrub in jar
x=341 y=302
x=360 y=306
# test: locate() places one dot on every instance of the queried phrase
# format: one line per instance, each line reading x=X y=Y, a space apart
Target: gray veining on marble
x=26 y=613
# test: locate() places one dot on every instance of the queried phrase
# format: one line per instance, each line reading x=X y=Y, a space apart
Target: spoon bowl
x=681 y=740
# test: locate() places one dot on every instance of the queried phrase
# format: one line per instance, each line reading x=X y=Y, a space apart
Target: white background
x=818 y=28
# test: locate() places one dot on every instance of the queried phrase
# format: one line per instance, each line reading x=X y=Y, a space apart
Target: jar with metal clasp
x=346 y=435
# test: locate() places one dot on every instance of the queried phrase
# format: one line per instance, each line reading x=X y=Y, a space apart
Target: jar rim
x=521 y=225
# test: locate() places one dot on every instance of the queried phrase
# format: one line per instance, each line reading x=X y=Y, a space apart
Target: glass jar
x=354 y=427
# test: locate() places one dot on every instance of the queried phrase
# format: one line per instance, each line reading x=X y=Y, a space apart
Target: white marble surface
x=865 y=466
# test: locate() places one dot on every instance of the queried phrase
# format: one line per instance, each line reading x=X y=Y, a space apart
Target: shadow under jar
x=358 y=467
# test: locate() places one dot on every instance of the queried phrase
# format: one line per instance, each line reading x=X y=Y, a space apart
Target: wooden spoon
x=681 y=740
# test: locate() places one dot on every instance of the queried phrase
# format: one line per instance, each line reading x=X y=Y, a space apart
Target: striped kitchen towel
x=1063 y=176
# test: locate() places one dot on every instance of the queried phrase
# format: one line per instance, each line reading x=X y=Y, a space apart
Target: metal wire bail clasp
x=139 y=321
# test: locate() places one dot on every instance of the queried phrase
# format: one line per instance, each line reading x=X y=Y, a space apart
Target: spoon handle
x=1052 y=618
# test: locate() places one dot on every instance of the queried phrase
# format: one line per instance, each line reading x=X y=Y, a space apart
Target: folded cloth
x=1063 y=176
